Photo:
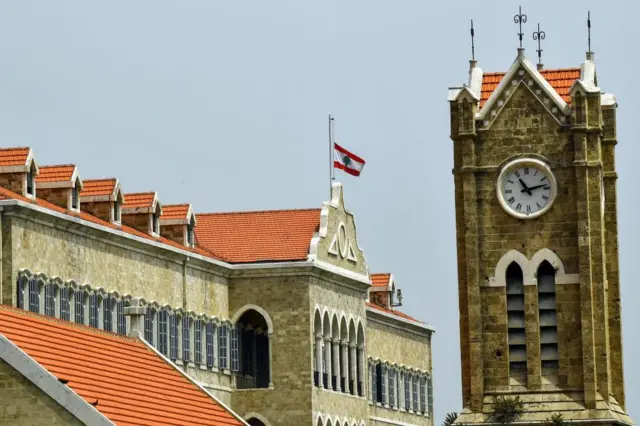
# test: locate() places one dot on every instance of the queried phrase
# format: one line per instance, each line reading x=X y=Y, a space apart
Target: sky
x=224 y=105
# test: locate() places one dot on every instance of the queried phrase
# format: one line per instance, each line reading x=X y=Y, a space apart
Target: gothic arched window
x=254 y=361
x=515 y=321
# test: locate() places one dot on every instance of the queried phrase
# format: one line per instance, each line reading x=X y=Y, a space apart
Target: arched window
x=122 y=320
x=173 y=336
x=78 y=298
x=254 y=369
x=50 y=300
x=222 y=346
x=34 y=295
x=108 y=304
x=548 y=319
x=391 y=379
x=22 y=284
x=163 y=332
x=414 y=388
x=65 y=305
x=149 y=321
x=255 y=422
x=197 y=353
x=407 y=391
x=234 y=350
x=94 y=311
x=515 y=320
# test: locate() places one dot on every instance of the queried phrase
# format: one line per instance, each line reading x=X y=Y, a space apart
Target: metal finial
x=589 y=28
x=473 y=46
x=520 y=19
x=539 y=35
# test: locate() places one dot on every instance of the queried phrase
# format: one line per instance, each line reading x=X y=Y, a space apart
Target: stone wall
x=13 y=181
x=139 y=221
x=57 y=196
x=23 y=403
x=175 y=233
x=101 y=209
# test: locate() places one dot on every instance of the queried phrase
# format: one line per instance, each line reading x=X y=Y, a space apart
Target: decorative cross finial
x=539 y=35
x=589 y=28
x=520 y=19
x=473 y=47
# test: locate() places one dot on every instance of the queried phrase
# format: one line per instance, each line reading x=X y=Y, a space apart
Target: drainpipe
x=184 y=283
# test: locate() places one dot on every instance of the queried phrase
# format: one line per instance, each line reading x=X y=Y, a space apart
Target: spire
x=539 y=36
x=520 y=19
x=590 y=54
x=473 y=47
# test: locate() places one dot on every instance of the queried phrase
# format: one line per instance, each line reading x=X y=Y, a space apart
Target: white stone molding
x=259 y=310
x=50 y=385
x=530 y=268
x=253 y=415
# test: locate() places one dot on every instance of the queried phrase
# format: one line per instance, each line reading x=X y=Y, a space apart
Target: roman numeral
x=536 y=172
x=528 y=209
x=526 y=170
x=511 y=200
x=539 y=206
x=508 y=191
x=546 y=187
x=510 y=181
x=519 y=207
x=516 y=173
x=544 y=197
x=543 y=179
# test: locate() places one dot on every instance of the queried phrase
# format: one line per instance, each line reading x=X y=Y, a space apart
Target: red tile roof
x=123 y=378
x=262 y=236
x=392 y=312
x=175 y=211
x=560 y=79
x=62 y=173
x=14 y=156
x=95 y=187
x=380 y=280
x=140 y=199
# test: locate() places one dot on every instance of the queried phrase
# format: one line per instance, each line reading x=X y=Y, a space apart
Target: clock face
x=526 y=188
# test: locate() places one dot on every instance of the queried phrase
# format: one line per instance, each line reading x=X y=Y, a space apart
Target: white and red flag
x=347 y=161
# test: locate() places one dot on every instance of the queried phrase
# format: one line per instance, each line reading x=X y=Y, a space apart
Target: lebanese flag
x=344 y=160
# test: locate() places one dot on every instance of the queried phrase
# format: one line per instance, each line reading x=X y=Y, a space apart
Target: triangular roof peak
x=519 y=70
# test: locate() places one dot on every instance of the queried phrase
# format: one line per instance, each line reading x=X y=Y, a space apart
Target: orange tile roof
x=560 y=79
x=62 y=173
x=392 y=312
x=175 y=211
x=14 y=156
x=139 y=199
x=123 y=378
x=260 y=236
x=380 y=280
x=95 y=187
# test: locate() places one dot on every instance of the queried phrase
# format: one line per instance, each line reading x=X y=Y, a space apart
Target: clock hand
x=524 y=187
x=534 y=187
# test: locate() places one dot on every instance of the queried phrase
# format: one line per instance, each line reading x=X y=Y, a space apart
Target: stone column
x=345 y=363
x=327 y=360
x=319 y=358
x=336 y=362
x=352 y=361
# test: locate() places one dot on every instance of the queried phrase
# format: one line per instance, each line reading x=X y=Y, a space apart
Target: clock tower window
x=548 y=319
x=516 y=323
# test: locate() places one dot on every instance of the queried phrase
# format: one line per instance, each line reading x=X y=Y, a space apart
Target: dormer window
x=116 y=211
x=30 y=183
x=156 y=222
x=75 y=197
x=191 y=233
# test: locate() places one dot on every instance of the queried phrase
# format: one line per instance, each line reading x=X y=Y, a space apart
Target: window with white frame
x=391 y=379
x=430 y=394
x=414 y=386
x=78 y=297
x=173 y=337
x=65 y=305
x=94 y=318
x=222 y=346
x=50 y=300
x=163 y=326
x=210 y=338
x=375 y=388
x=235 y=360
x=149 y=320
x=423 y=395
x=75 y=192
x=198 y=342
x=116 y=211
x=108 y=304
x=407 y=391
x=383 y=387
x=30 y=183
x=34 y=295
x=186 y=338
x=122 y=320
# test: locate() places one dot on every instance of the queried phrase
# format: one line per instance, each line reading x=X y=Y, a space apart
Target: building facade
x=274 y=312
x=537 y=243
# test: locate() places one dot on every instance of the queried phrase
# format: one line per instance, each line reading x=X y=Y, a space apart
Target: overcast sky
x=224 y=105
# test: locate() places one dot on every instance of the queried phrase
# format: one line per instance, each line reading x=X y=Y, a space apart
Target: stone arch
x=360 y=339
x=326 y=325
x=335 y=327
x=499 y=280
x=317 y=322
x=253 y=329
x=319 y=420
x=352 y=331
x=255 y=419
x=329 y=422
x=344 y=331
x=259 y=310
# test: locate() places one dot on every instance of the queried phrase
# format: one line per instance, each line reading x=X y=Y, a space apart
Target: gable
x=336 y=242
x=523 y=110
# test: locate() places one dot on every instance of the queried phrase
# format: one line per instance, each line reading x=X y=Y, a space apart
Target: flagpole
x=331 y=177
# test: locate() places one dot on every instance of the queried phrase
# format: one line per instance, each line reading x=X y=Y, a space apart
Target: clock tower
x=537 y=243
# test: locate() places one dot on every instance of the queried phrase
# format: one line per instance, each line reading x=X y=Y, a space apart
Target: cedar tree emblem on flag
x=344 y=160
